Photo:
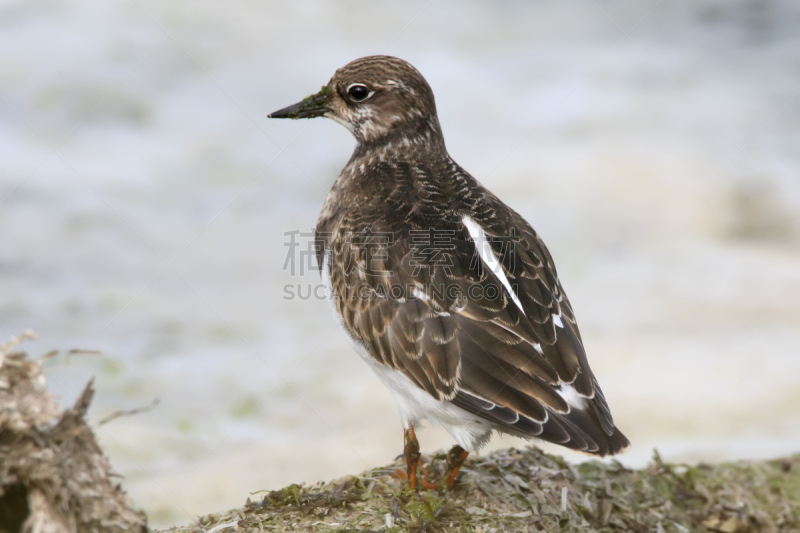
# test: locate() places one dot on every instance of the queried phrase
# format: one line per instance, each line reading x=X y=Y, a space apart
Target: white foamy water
x=145 y=197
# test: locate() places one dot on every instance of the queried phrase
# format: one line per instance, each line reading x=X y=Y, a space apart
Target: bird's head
x=377 y=98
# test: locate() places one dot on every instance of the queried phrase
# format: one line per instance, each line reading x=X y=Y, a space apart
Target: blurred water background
x=145 y=201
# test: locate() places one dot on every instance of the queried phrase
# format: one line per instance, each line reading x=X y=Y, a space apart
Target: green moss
x=528 y=490
x=311 y=103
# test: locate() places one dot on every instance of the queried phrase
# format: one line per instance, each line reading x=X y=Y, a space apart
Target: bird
x=447 y=293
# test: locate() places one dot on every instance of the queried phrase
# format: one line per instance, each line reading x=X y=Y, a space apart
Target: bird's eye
x=358 y=92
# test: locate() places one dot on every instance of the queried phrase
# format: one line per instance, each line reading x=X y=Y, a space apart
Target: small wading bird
x=446 y=292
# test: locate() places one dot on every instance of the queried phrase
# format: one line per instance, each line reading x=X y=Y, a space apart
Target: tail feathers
x=584 y=430
x=588 y=435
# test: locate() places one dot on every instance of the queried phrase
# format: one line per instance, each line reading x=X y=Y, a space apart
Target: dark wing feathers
x=449 y=324
x=519 y=354
x=514 y=382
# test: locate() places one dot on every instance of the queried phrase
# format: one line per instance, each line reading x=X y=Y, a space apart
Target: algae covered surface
x=528 y=490
x=54 y=478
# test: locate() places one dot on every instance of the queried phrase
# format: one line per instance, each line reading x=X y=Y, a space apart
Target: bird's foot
x=455 y=460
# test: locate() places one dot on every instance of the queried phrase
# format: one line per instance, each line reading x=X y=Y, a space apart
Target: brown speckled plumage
x=506 y=359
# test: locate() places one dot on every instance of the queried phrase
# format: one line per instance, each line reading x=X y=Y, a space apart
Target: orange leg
x=455 y=460
x=411 y=451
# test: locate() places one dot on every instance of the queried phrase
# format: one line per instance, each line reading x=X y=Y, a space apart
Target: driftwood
x=53 y=475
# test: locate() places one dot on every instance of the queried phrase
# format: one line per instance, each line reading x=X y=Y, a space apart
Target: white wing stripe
x=487 y=256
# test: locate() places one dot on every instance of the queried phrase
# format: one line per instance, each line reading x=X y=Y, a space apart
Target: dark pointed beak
x=313 y=106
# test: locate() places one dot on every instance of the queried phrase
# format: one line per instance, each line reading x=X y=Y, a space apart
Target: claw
x=455 y=460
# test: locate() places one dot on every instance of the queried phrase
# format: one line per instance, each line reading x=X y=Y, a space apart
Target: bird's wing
x=473 y=312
